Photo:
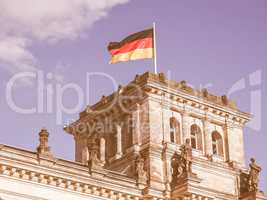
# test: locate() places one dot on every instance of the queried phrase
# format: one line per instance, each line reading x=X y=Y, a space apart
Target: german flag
x=136 y=46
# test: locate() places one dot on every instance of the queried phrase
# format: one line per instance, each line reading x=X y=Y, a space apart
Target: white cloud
x=15 y=57
x=25 y=21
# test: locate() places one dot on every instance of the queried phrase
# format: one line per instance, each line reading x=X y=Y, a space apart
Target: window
x=196 y=137
x=217 y=143
x=175 y=136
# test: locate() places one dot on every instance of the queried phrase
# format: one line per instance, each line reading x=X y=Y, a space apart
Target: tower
x=154 y=130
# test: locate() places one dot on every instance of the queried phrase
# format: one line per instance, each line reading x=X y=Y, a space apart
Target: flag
x=136 y=46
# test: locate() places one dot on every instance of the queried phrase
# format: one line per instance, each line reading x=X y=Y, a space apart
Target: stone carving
x=177 y=166
x=186 y=154
x=225 y=99
x=94 y=162
x=43 y=149
x=183 y=85
x=253 y=179
x=137 y=78
x=89 y=109
x=209 y=157
x=162 y=77
x=104 y=99
x=205 y=92
x=120 y=89
x=182 y=164
x=249 y=181
x=141 y=174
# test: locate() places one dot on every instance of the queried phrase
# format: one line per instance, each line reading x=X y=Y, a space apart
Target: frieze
x=64 y=183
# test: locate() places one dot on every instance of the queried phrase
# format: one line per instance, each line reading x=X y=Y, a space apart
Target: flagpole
x=155 y=48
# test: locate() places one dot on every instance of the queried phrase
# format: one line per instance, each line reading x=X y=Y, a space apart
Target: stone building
x=151 y=139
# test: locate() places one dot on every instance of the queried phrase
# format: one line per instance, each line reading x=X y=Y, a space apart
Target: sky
x=220 y=45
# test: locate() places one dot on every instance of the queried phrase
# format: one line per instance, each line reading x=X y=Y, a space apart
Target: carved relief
x=94 y=162
x=186 y=154
x=141 y=174
x=182 y=163
x=253 y=175
x=249 y=181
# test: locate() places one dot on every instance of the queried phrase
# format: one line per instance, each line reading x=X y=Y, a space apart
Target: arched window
x=175 y=136
x=196 y=137
x=217 y=143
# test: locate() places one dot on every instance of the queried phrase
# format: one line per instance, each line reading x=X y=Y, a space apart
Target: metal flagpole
x=154 y=48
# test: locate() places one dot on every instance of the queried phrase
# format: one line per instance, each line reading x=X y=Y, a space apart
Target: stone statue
x=141 y=174
x=94 y=162
x=186 y=154
x=177 y=167
x=253 y=177
x=182 y=164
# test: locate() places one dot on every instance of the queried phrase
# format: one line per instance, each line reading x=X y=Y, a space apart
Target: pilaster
x=207 y=136
x=185 y=125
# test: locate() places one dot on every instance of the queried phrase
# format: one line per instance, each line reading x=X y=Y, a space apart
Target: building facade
x=151 y=139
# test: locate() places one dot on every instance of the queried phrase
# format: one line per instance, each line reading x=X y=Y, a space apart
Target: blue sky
x=219 y=44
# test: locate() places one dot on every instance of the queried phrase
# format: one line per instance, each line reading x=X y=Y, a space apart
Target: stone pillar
x=207 y=137
x=185 y=125
x=119 y=145
x=136 y=132
x=167 y=156
x=102 y=150
x=85 y=155
x=225 y=142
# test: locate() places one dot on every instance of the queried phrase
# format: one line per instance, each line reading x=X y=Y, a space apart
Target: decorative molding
x=65 y=183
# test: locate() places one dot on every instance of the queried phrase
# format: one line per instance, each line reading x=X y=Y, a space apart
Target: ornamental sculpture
x=182 y=163
x=186 y=154
x=253 y=179
x=94 y=162
x=141 y=174
x=249 y=181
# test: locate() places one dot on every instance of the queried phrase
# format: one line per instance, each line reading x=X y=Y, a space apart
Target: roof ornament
x=43 y=148
x=253 y=179
x=225 y=99
x=205 y=92
x=44 y=154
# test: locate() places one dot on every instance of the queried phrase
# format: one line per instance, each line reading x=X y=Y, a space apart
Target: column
x=138 y=124
x=85 y=155
x=225 y=141
x=102 y=150
x=207 y=137
x=136 y=132
x=119 y=145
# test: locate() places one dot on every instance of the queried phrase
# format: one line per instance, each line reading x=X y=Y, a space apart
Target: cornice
x=173 y=91
x=198 y=103
x=69 y=175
